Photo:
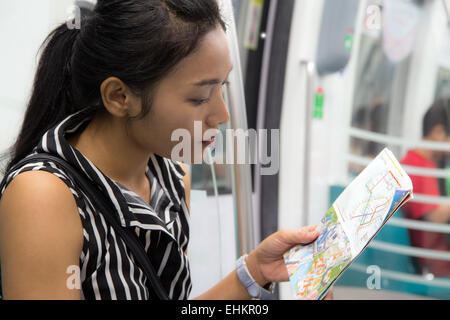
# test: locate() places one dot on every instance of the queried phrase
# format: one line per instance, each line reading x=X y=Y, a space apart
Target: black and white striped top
x=107 y=267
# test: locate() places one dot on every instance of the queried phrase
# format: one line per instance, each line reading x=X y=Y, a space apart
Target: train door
x=343 y=109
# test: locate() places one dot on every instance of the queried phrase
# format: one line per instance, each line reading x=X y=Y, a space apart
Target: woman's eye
x=223 y=88
x=199 y=102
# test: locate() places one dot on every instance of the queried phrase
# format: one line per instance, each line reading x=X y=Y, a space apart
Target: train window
x=443 y=83
x=384 y=61
x=250 y=19
x=443 y=79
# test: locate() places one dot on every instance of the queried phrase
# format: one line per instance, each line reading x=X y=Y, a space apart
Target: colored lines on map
x=370 y=189
x=338 y=210
x=374 y=205
x=395 y=165
x=382 y=203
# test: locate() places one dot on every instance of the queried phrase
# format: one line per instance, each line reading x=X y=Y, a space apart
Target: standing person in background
x=436 y=128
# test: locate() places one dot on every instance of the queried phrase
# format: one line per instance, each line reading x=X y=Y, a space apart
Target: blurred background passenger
x=436 y=128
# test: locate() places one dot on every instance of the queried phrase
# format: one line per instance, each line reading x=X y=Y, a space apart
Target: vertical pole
x=309 y=68
x=242 y=187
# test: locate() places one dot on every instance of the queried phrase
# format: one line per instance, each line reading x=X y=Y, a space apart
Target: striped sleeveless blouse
x=107 y=267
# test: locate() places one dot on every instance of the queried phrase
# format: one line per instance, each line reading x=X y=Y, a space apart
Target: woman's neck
x=104 y=144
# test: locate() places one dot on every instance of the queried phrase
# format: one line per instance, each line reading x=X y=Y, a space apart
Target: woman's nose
x=220 y=114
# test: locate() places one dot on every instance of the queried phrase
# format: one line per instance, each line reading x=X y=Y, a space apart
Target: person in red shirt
x=436 y=127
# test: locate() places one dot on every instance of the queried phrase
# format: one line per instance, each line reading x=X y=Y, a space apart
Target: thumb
x=304 y=235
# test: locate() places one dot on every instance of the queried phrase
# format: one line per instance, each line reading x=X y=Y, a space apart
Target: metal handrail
x=401 y=276
x=242 y=183
x=411 y=251
x=417 y=171
x=262 y=105
x=392 y=140
x=423 y=198
x=419 y=225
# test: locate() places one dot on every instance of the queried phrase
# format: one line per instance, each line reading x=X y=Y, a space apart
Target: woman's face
x=192 y=93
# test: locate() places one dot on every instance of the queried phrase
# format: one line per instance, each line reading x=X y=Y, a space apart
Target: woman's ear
x=118 y=98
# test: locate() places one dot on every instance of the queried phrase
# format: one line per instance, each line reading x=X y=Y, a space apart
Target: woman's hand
x=266 y=262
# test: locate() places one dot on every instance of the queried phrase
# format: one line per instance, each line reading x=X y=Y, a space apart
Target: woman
x=106 y=98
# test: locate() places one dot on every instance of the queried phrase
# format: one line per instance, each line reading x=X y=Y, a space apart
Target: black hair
x=438 y=114
x=137 y=41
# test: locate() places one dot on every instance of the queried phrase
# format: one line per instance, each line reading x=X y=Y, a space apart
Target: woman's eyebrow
x=211 y=82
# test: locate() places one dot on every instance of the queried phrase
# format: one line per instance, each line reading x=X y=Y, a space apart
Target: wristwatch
x=254 y=289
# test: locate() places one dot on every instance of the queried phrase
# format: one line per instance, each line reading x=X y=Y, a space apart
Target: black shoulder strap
x=104 y=204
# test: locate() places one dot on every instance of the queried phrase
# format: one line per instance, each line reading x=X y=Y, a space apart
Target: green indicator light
x=318 y=104
x=348 y=43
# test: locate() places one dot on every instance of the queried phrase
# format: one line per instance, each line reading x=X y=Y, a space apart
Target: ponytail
x=51 y=100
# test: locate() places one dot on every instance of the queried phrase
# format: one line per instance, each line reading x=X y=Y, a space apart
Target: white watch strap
x=253 y=288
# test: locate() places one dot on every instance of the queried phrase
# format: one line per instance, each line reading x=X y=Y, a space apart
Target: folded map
x=350 y=224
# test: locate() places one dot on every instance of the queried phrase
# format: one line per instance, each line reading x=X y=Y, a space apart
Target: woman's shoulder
x=40 y=227
x=38 y=173
x=38 y=198
x=35 y=189
x=43 y=190
x=47 y=178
